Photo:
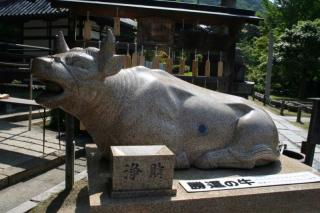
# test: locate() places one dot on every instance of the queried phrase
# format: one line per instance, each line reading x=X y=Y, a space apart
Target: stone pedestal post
x=314 y=131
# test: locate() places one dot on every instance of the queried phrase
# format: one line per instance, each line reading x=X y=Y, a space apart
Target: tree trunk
x=302 y=88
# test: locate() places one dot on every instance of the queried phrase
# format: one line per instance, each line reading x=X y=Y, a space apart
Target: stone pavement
x=293 y=136
x=25 y=191
x=21 y=151
x=17 y=144
x=294 y=118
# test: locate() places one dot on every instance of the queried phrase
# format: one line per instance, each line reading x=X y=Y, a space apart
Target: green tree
x=254 y=44
x=242 y=4
x=273 y=18
x=298 y=53
x=293 y=11
x=278 y=16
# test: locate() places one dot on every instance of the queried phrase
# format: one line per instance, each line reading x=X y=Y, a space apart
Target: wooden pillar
x=72 y=30
x=49 y=27
x=225 y=83
x=314 y=131
x=69 y=172
x=21 y=40
x=230 y=71
x=80 y=27
x=30 y=95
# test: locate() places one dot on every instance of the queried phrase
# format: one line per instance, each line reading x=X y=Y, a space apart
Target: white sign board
x=248 y=181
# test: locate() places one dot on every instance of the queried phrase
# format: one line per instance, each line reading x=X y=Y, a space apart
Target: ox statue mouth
x=52 y=92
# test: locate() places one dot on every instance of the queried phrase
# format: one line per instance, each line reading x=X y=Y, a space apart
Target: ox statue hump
x=141 y=106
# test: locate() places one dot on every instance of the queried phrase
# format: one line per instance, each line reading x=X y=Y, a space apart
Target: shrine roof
x=202 y=14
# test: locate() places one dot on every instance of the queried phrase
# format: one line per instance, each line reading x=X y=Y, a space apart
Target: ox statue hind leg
x=254 y=142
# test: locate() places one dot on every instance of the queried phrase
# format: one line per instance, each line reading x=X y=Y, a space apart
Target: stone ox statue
x=141 y=106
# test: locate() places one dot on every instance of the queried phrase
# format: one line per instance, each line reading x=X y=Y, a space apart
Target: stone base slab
x=284 y=198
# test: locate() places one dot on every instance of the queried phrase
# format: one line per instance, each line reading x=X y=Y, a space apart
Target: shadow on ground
x=76 y=200
x=12 y=158
x=8 y=126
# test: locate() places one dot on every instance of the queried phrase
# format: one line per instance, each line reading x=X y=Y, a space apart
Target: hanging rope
x=207 y=66
x=135 y=56
x=182 y=64
x=156 y=60
x=128 y=62
x=87 y=28
x=116 y=24
x=220 y=66
x=169 y=62
x=141 y=57
x=195 y=66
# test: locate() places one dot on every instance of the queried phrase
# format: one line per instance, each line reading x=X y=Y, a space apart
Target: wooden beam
x=44 y=27
x=225 y=83
x=141 y=13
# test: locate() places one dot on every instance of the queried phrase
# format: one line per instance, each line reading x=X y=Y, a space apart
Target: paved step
x=21 y=116
x=32 y=167
x=22 y=155
x=28 y=191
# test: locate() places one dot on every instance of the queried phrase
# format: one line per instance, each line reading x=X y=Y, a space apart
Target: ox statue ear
x=61 y=44
x=109 y=63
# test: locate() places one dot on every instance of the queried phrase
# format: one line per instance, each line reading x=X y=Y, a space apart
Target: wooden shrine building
x=28 y=29
x=175 y=25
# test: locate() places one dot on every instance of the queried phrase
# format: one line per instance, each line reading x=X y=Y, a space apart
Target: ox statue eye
x=202 y=129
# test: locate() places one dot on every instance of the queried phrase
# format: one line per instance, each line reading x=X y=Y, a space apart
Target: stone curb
x=24 y=207
x=3 y=181
x=33 y=167
x=35 y=201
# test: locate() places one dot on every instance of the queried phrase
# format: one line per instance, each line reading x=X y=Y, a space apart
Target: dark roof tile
x=28 y=8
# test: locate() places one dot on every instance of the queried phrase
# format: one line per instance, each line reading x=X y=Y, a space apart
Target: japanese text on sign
x=248 y=182
x=133 y=170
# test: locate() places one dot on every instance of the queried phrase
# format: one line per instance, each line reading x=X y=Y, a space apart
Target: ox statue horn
x=61 y=44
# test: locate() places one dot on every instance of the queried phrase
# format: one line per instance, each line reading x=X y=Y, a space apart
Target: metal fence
x=15 y=68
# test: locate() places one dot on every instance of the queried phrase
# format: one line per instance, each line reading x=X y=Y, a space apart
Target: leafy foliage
x=293 y=45
x=298 y=51
x=250 y=5
x=243 y=4
x=293 y=11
